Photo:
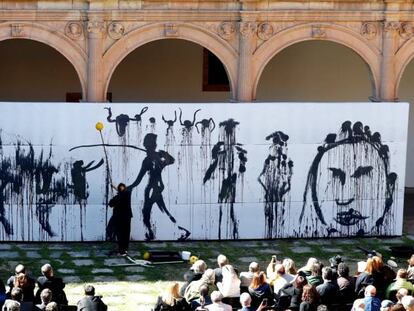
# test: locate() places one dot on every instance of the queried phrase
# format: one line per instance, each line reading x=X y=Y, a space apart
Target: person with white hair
x=192 y=291
x=217 y=304
x=245 y=301
x=247 y=276
x=221 y=262
x=400 y=294
x=408 y=303
x=11 y=305
x=193 y=274
x=307 y=269
x=371 y=302
x=55 y=284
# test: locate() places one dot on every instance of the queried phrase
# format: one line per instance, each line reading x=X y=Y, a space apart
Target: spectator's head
x=386 y=305
x=16 y=294
x=46 y=296
x=47 y=270
x=358 y=305
x=245 y=300
x=209 y=276
x=19 y=269
x=316 y=269
x=310 y=263
x=89 y=290
x=258 y=280
x=199 y=266
x=11 y=305
x=52 y=306
x=310 y=294
x=327 y=274
x=378 y=264
x=216 y=297
x=370 y=291
x=369 y=267
x=20 y=280
x=411 y=261
x=300 y=281
x=290 y=266
x=171 y=294
x=408 y=302
x=203 y=291
x=397 y=307
x=280 y=269
x=402 y=274
x=254 y=267
x=343 y=270
x=401 y=293
x=121 y=187
x=222 y=260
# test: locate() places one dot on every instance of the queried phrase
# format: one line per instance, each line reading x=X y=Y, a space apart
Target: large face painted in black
x=349 y=185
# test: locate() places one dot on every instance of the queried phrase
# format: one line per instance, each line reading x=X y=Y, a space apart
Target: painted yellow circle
x=99 y=126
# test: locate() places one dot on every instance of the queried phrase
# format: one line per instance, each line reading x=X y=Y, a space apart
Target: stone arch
x=36 y=32
x=189 y=32
x=330 y=32
x=402 y=58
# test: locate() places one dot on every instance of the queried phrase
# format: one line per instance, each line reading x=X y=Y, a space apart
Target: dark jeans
x=123 y=232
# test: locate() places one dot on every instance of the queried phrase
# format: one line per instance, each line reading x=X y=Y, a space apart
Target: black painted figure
x=187 y=124
x=349 y=189
x=78 y=174
x=223 y=157
x=170 y=123
x=121 y=121
x=206 y=125
x=153 y=164
x=121 y=203
x=275 y=179
x=6 y=178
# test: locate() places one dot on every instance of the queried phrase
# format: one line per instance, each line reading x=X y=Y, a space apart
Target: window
x=214 y=75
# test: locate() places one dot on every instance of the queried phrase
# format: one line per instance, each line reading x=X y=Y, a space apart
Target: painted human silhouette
x=350 y=189
x=153 y=164
x=78 y=174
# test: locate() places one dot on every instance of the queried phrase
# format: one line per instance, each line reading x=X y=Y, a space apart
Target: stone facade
x=95 y=36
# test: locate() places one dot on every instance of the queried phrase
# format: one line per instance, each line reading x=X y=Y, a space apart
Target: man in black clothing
x=28 y=288
x=56 y=285
x=91 y=302
x=121 y=203
x=329 y=290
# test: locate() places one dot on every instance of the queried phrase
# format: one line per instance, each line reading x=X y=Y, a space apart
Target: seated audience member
x=24 y=281
x=52 y=306
x=193 y=274
x=290 y=266
x=56 y=285
x=358 y=305
x=408 y=303
x=230 y=284
x=386 y=305
x=371 y=302
x=11 y=305
x=247 y=277
x=310 y=298
x=91 y=302
x=329 y=290
x=292 y=294
x=410 y=269
x=400 y=282
x=45 y=297
x=383 y=276
x=193 y=289
x=271 y=273
x=217 y=304
x=245 y=301
x=400 y=294
x=345 y=284
x=16 y=296
x=221 y=262
x=307 y=269
x=203 y=300
x=315 y=278
x=282 y=278
x=171 y=300
x=259 y=290
x=365 y=278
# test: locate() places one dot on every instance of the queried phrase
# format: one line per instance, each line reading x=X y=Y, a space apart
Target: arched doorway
x=33 y=71
x=170 y=70
x=316 y=71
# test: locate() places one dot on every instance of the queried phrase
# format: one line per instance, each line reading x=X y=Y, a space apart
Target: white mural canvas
x=218 y=171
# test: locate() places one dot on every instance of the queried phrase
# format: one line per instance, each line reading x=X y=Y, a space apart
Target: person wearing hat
x=386 y=305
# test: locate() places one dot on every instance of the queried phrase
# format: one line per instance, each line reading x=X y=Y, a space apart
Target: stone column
x=95 y=84
x=247 y=43
x=388 y=75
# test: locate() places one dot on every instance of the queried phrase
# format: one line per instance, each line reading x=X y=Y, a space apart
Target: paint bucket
x=185 y=255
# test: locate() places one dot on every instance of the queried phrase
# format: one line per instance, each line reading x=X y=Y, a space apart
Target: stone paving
x=136 y=288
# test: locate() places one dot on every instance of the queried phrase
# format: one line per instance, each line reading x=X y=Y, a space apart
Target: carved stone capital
x=96 y=26
x=74 y=30
x=247 y=29
x=369 y=30
x=116 y=30
x=318 y=32
x=171 y=30
x=392 y=26
x=406 y=30
x=226 y=30
x=265 y=31
x=17 y=30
